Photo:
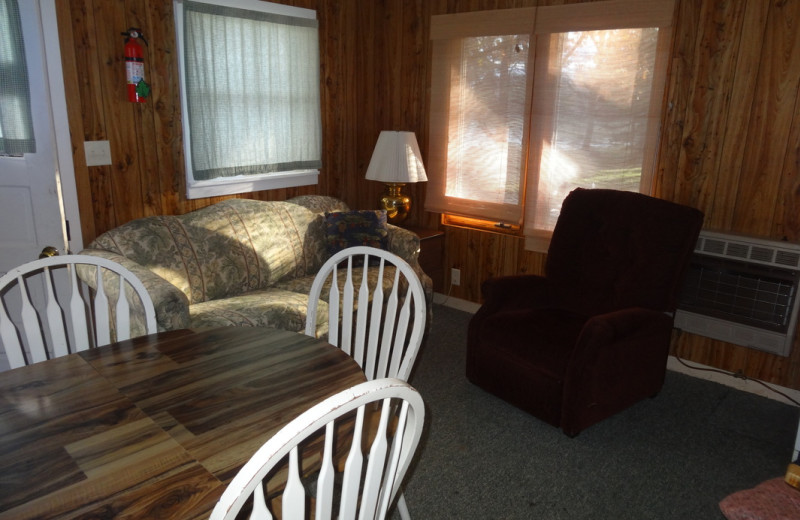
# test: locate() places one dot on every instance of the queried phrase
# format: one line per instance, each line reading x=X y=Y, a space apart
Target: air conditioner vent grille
x=734 y=293
x=714 y=246
x=762 y=254
x=736 y=250
x=787 y=258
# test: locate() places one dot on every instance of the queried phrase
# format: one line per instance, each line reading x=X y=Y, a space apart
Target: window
x=528 y=104
x=249 y=95
x=16 y=123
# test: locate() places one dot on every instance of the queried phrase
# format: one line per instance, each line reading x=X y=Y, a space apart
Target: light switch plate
x=98 y=153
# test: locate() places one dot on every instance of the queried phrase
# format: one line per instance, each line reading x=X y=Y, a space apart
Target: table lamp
x=396 y=161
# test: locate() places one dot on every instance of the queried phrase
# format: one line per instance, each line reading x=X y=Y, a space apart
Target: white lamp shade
x=396 y=159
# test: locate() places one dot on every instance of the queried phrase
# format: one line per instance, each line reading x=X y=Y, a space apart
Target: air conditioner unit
x=742 y=290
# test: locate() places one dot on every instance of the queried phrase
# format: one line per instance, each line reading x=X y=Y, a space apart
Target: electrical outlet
x=455 y=276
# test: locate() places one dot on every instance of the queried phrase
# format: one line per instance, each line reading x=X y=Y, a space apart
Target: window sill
x=242 y=184
x=480 y=224
x=538 y=243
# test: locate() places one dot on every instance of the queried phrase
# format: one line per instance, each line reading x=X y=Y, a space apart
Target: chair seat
x=513 y=329
x=773 y=499
x=267 y=308
x=508 y=358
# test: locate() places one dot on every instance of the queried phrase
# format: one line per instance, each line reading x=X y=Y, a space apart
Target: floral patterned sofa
x=239 y=262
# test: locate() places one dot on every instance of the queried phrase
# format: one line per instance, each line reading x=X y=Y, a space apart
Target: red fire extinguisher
x=138 y=89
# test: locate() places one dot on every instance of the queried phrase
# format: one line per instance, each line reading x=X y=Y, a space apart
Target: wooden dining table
x=157 y=426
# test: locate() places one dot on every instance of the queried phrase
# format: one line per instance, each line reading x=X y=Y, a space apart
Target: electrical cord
x=739 y=375
x=447 y=296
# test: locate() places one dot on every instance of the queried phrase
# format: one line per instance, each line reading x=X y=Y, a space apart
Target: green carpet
x=672 y=457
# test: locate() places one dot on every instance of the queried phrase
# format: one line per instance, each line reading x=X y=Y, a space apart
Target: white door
x=31 y=203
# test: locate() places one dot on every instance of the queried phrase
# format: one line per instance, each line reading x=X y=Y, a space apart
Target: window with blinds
x=528 y=104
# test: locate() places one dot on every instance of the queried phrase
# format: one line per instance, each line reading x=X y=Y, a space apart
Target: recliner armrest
x=608 y=335
x=609 y=367
x=625 y=321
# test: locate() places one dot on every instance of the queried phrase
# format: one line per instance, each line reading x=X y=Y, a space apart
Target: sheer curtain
x=16 y=124
x=252 y=86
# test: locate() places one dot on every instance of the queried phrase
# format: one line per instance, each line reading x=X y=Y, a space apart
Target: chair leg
x=402 y=508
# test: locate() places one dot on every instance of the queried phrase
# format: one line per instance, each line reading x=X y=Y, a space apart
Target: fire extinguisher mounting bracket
x=134 y=32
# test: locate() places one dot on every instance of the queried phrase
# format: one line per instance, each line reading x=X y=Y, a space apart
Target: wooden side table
x=431 y=255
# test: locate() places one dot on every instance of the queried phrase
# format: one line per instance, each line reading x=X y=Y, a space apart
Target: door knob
x=48 y=251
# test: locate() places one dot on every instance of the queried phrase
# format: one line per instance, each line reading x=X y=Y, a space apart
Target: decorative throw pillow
x=356 y=228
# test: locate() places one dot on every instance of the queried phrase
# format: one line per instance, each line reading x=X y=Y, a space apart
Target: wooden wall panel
x=787 y=221
x=773 y=110
x=707 y=88
x=162 y=195
x=479 y=255
x=730 y=142
x=734 y=143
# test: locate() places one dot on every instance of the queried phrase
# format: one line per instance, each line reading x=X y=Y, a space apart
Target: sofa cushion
x=230 y=248
x=267 y=308
x=319 y=203
x=345 y=229
x=303 y=284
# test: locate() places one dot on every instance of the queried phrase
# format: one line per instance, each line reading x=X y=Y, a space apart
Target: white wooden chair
x=388 y=329
x=366 y=493
x=381 y=324
x=46 y=311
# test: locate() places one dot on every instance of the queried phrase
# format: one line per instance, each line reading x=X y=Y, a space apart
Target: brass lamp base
x=395 y=203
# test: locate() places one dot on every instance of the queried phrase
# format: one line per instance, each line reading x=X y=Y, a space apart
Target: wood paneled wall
x=730 y=144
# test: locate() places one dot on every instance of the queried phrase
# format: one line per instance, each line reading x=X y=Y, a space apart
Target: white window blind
x=251 y=88
x=593 y=75
x=16 y=123
x=481 y=89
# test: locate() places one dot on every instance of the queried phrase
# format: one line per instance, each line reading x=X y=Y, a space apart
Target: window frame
x=243 y=183
x=537 y=23
x=446 y=32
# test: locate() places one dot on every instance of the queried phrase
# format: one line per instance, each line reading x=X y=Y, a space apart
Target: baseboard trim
x=456 y=303
x=728 y=379
x=695 y=369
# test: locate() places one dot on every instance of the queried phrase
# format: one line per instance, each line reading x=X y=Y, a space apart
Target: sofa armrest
x=171 y=304
x=404 y=243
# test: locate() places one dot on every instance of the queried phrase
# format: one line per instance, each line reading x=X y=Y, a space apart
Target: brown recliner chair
x=592 y=336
